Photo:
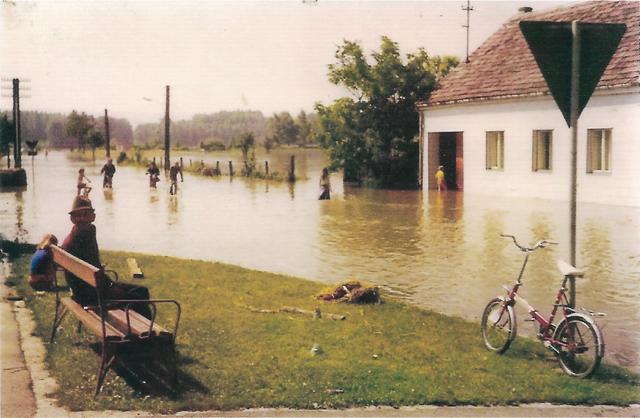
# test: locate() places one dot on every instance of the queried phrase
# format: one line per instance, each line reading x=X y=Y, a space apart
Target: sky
x=270 y=56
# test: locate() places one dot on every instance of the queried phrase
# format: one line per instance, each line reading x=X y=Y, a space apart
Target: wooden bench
x=119 y=328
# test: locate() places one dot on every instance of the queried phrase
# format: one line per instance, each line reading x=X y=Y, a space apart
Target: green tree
x=269 y=143
x=247 y=141
x=304 y=128
x=282 y=129
x=95 y=139
x=373 y=134
x=308 y=128
x=79 y=127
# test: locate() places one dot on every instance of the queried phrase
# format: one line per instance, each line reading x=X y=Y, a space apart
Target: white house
x=495 y=128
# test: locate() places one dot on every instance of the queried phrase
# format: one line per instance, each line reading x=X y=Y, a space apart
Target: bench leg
x=166 y=360
x=173 y=355
x=107 y=360
x=61 y=311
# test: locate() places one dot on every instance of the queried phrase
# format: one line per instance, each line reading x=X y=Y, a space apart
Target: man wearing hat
x=82 y=243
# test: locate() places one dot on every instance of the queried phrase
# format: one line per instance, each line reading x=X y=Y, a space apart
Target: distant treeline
x=224 y=129
x=219 y=130
x=49 y=129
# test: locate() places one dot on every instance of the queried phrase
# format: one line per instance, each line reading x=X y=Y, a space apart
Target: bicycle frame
x=545 y=324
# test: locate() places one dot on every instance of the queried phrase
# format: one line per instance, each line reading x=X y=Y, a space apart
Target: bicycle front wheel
x=580 y=346
x=498 y=325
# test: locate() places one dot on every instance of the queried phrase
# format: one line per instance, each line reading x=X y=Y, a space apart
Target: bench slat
x=91 y=320
x=73 y=264
x=139 y=324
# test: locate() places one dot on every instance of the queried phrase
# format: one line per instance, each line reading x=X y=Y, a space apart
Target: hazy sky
x=216 y=55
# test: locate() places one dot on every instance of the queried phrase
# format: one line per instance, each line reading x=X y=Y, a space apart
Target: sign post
x=572 y=57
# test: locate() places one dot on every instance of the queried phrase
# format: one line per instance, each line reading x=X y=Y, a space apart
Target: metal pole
x=107 y=133
x=575 y=95
x=167 y=138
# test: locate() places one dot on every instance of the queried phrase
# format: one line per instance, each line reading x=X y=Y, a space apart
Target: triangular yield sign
x=551 y=43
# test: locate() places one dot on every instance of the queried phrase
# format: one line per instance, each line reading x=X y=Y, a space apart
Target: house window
x=542 y=146
x=598 y=150
x=495 y=150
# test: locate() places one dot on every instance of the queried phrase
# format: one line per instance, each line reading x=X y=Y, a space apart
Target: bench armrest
x=117 y=303
x=112 y=273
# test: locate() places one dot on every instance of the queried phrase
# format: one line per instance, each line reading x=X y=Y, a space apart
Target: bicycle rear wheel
x=580 y=346
x=498 y=326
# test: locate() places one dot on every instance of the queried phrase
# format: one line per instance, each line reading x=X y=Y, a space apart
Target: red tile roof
x=503 y=65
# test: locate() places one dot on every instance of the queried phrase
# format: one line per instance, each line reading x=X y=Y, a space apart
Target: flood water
x=439 y=251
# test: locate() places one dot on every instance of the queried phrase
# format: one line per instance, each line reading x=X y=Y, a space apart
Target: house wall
x=518 y=119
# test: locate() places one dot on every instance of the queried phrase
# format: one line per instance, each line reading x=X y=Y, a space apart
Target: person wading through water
x=173 y=175
x=108 y=170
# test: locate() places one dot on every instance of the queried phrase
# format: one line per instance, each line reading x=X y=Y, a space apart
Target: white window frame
x=494 y=150
x=599 y=150
x=542 y=146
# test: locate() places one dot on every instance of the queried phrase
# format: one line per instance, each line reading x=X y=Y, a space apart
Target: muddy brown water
x=440 y=251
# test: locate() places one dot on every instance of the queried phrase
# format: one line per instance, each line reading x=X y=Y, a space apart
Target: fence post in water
x=230 y=168
x=266 y=168
x=292 y=169
x=217 y=168
x=181 y=162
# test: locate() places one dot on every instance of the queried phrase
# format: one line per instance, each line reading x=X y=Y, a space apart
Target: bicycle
x=576 y=340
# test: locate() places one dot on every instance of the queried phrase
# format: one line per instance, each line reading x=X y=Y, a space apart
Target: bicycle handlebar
x=540 y=244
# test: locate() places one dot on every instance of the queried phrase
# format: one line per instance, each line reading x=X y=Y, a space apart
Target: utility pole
x=107 y=133
x=19 y=178
x=167 y=137
x=17 y=147
x=467 y=9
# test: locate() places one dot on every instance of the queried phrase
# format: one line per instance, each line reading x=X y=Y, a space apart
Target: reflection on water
x=441 y=251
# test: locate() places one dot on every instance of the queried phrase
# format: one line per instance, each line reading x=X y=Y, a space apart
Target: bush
x=212 y=146
x=122 y=157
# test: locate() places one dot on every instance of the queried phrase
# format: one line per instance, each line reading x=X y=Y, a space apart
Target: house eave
x=600 y=91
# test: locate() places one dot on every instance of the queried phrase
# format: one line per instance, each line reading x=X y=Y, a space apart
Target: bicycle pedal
x=529 y=320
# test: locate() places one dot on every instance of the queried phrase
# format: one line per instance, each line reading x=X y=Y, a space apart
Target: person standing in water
x=154 y=174
x=108 y=170
x=325 y=185
x=173 y=176
x=82 y=183
x=440 y=181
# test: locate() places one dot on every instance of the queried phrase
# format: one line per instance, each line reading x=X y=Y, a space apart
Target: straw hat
x=81 y=203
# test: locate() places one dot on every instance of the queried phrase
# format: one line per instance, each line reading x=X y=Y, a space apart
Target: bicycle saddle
x=568 y=270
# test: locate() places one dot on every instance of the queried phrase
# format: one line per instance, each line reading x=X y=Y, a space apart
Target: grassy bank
x=383 y=354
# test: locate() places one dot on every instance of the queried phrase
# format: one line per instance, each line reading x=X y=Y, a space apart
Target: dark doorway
x=447 y=158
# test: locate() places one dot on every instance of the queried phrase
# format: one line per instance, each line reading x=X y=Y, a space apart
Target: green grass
x=383 y=354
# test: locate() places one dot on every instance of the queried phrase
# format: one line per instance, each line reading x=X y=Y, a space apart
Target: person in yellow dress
x=440 y=182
